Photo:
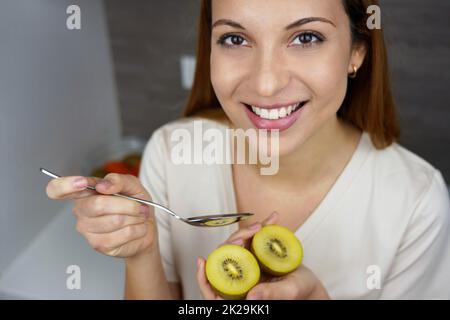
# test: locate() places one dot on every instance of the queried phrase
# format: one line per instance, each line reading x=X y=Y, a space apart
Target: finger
x=244 y=233
x=280 y=288
x=121 y=183
x=99 y=205
x=238 y=242
x=205 y=288
x=107 y=223
x=70 y=187
x=258 y=292
x=108 y=242
x=271 y=219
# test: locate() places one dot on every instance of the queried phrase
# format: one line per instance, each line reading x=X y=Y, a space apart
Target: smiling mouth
x=275 y=113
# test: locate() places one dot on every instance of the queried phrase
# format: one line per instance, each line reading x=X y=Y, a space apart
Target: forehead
x=275 y=13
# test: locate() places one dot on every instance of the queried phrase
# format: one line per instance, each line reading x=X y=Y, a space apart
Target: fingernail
x=254 y=226
x=273 y=214
x=105 y=184
x=80 y=183
x=199 y=262
x=255 y=296
x=145 y=210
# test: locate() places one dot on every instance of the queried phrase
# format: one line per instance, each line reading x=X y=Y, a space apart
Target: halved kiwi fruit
x=277 y=249
x=232 y=271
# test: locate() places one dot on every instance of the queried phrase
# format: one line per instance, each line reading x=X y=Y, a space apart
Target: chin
x=288 y=141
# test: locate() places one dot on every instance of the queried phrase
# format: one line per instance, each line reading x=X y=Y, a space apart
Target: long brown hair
x=368 y=104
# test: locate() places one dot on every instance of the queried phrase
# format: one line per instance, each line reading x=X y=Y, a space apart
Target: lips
x=278 y=117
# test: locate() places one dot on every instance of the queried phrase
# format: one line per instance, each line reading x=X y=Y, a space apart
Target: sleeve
x=421 y=269
x=153 y=177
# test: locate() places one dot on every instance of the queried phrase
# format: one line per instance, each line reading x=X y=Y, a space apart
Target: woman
x=373 y=217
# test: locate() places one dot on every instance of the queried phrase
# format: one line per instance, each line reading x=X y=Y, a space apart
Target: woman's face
x=288 y=59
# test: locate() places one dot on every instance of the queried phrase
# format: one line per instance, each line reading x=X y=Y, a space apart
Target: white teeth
x=264 y=114
x=256 y=110
x=274 y=114
x=289 y=110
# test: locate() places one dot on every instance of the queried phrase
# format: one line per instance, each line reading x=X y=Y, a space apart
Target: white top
x=386 y=217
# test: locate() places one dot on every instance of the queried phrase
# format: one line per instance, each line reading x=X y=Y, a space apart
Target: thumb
x=276 y=290
x=122 y=183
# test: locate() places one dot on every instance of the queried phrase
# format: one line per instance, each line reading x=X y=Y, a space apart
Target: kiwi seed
x=232 y=268
x=277 y=247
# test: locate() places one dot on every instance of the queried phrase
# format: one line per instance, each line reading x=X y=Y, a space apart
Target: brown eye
x=307 y=38
x=232 y=40
x=236 y=40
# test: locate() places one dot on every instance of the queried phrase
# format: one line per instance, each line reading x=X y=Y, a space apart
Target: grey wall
x=418 y=34
x=57 y=103
x=148 y=36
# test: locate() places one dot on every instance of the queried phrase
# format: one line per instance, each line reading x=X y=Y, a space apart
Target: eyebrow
x=298 y=23
x=308 y=20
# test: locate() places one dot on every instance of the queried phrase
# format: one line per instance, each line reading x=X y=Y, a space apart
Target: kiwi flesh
x=232 y=271
x=277 y=249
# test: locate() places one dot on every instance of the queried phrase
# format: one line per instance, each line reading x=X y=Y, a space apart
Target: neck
x=318 y=158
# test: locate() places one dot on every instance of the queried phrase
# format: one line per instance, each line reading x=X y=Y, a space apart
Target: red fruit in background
x=132 y=160
x=134 y=172
x=117 y=167
x=130 y=164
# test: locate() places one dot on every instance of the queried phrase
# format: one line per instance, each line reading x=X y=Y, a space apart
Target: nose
x=269 y=74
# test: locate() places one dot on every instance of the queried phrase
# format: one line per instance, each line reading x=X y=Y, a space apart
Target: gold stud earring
x=353 y=74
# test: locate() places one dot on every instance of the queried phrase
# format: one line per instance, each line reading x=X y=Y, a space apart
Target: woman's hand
x=241 y=237
x=298 y=285
x=113 y=226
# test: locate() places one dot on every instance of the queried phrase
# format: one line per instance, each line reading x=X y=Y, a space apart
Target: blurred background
x=70 y=99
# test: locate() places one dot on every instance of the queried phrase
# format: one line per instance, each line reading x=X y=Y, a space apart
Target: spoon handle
x=142 y=201
x=146 y=202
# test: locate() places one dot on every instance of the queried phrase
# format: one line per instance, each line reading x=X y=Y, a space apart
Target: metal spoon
x=217 y=220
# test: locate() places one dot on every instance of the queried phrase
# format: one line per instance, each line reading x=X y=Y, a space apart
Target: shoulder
x=165 y=136
x=403 y=176
x=396 y=161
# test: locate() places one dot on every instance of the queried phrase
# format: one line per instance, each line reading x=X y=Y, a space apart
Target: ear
x=357 y=56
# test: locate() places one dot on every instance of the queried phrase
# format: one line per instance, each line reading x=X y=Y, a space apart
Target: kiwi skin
x=266 y=268
x=229 y=297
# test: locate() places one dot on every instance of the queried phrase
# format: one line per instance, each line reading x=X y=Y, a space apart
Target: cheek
x=328 y=80
x=228 y=72
x=328 y=84
x=223 y=81
x=223 y=76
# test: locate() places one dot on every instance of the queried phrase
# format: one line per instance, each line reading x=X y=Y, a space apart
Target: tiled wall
x=149 y=36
